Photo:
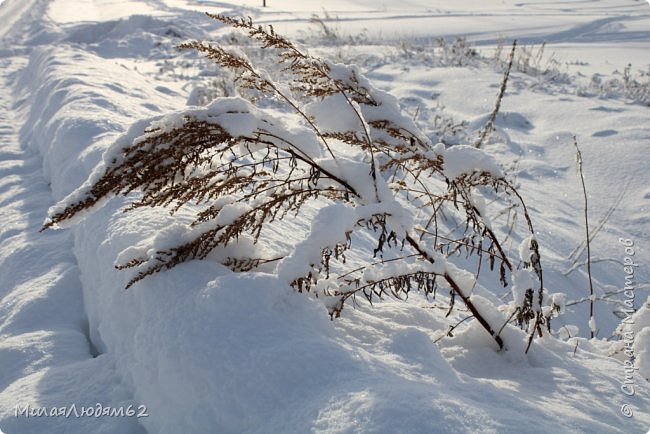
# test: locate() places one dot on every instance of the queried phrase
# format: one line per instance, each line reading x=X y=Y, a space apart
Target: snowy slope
x=206 y=350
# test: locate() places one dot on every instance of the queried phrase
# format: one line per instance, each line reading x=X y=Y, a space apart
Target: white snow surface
x=208 y=350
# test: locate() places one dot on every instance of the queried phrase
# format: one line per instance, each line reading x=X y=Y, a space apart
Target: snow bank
x=207 y=350
x=208 y=346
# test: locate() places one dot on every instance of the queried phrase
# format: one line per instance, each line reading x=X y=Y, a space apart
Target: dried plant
x=634 y=86
x=329 y=139
x=489 y=126
x=458 y=52
x=592 y=297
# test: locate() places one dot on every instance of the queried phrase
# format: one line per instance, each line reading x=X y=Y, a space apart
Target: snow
x=635 y=329
x=592 y=325
x=557 y=301
x=465 y=159
x=74 y=11
x=522 y=281
x=209 y=350
x=525 y=250
x=333 y=114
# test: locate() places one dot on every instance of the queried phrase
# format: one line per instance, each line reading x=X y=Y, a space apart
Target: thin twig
x=584 y=192
x=489 y=126
x=452 y=328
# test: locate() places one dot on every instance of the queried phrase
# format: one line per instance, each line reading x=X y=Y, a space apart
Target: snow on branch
x=328 y=141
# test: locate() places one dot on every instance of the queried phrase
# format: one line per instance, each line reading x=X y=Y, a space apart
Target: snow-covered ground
x=201 y=349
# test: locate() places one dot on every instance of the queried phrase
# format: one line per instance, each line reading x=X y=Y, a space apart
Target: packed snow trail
x=206 y=350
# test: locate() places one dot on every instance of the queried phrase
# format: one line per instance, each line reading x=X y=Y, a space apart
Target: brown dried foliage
x=200 y=165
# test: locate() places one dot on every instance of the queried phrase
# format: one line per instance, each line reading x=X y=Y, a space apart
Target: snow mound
x=207 y=350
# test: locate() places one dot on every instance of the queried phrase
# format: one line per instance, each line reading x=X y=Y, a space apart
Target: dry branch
x=240 y=181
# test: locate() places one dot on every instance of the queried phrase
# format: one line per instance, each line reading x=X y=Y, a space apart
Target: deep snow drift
x=202 y=349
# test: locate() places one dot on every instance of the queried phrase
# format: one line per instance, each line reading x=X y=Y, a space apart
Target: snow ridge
x=207 y=350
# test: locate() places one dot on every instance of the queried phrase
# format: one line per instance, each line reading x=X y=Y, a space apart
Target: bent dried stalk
x=242 y=180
